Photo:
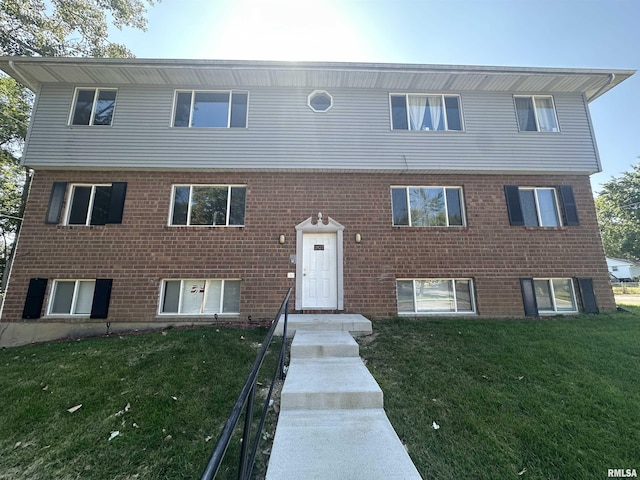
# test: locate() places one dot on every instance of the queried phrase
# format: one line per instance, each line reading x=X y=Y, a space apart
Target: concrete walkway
x=332 y=424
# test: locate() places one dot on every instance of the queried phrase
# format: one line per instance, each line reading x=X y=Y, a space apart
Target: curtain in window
x=546 y=115
x=526 y=118
x=434 y=104
x=417 y=111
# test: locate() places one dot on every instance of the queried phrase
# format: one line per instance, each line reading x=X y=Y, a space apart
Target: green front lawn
x=167 y=393
x=557 y=398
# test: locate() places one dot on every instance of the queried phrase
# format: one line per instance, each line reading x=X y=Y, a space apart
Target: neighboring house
x=623 y=270
x=170 y=191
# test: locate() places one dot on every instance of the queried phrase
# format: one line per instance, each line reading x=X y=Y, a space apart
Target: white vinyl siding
x=286 y=134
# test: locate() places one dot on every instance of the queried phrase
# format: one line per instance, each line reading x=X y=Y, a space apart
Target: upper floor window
x=425 y=112
x=536 y=114
x=90 y=204
x=210 y=109
x=427 y=206
x=200 y=296
x=208 y=205
x=541 y=206
x=93 y=106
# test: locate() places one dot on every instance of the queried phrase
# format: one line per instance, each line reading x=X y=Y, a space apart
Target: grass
x=555 y=398
x=167 y=394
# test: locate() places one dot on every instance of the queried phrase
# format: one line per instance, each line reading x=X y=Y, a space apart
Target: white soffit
x=34 y=71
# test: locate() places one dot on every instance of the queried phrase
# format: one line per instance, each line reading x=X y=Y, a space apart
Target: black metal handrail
x=246 y=398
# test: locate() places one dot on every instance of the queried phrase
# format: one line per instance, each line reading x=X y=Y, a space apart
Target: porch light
x=281 y=239
x=358 y=238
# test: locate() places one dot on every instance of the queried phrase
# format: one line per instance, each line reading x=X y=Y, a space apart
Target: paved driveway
x=628 y=299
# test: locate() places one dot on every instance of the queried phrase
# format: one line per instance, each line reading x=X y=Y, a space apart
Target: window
x=208 y=205
x=557 y=295
x=89 y=204
x=320 y=101
x=425 y=112
x=427 y=206
x=541 y=206
x=69 y=297
x=93 y=106
x=199 y=297
x=435 y=296
x=210 y=109
x=536 y=114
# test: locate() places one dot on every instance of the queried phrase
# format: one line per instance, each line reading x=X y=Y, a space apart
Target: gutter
x=23 y=79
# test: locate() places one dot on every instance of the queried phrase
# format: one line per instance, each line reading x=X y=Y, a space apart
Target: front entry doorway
x=319 y=265
x=319 y=271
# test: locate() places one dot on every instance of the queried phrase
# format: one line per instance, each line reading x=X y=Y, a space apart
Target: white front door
x=319 y=271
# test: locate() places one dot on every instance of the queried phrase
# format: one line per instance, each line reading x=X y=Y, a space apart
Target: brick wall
x=142 y=250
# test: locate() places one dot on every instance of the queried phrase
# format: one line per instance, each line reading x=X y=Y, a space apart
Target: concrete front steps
x=332 y=424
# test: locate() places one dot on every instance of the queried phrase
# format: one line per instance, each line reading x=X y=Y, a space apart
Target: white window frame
x=537 y=205
x=555 y=310
x=439 y=312
x=67 y=211
x=74 y=300
x=207 y=284
x=444 y=111
x=96 y=93
x=191 y=186
x=319 y=92
x=193 y=98
x=535 y=113
x=446 y=206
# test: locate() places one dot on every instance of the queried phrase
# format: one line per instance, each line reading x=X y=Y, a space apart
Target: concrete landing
x=353 y=323
x=338 y=445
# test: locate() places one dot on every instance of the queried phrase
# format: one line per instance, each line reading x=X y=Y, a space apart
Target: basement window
x=200 y=297
x=437 y=295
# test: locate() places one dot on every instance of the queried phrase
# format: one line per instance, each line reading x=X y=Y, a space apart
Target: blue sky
x=530 y=33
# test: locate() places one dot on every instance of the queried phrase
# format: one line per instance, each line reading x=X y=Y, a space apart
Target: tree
x=47 y=28
x=618 y=208
x=67 y=28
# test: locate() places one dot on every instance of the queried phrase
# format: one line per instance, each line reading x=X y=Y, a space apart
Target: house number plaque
x=318 y=247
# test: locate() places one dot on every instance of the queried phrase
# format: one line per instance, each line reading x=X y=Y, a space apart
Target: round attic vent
x=320 y=101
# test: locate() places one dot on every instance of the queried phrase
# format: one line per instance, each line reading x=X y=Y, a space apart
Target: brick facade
x=143 y=250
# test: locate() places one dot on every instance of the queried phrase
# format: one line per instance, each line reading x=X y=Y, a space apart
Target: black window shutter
x=116 y=206
x=512 y=194
x=101 y=297
x=569 y=210
x=56 y=199
x=529 y=297
x=589 y=304
x=35 y=298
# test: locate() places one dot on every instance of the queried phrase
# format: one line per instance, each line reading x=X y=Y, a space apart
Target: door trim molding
x=308 y=226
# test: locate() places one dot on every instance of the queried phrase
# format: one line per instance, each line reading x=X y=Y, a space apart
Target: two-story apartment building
x=170 y=191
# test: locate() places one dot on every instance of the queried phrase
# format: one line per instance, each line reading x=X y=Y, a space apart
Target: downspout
x=612 y=77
